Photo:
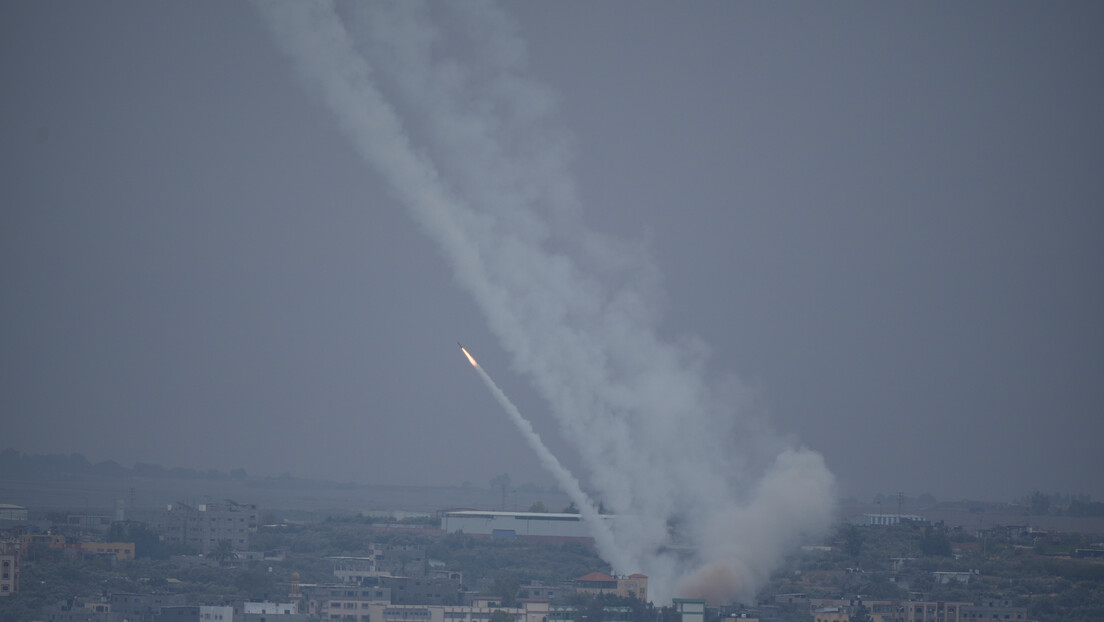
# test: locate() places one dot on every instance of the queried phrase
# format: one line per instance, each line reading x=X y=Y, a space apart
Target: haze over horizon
x=885 y=220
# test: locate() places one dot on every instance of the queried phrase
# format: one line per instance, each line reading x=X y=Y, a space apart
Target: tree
x=223 y=551
x=506 y=588
x=499 y=615
x=860 y=614
x=935 y=543
x=852 y=540
x=1040 y=503
x=116 y=532
x=538 y=507
x=571 y=509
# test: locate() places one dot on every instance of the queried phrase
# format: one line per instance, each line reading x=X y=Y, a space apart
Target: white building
x=12 y=512
x=510 y=525
x=883 y=519
x=270 y=608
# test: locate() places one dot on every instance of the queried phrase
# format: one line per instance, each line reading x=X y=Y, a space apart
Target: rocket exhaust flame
x=471 y=359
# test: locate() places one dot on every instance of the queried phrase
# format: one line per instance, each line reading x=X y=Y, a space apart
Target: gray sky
x=885 y=218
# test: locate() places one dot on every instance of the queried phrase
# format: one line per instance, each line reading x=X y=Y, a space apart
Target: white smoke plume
x=578 y=311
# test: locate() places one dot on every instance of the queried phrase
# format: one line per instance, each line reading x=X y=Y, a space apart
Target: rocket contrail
x=603 y=538
x=662 y=436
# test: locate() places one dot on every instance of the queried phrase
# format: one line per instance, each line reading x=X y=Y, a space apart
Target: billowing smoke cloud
x=578 y=311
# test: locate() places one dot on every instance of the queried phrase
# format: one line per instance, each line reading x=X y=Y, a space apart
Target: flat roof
x=521 y=515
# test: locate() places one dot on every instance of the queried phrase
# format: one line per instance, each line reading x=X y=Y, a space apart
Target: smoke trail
x=578 y=311
x=567 y=482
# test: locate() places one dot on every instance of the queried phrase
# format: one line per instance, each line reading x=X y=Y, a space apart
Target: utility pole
x=900 y=500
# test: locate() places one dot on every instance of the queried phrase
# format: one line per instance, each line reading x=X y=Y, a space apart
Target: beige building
x=341 y=603
x=123 y=551
x=837 y=610
x=632 y=586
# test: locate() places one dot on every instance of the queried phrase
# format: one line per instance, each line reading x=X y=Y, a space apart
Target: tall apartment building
x=202 y=526
x=9 y=568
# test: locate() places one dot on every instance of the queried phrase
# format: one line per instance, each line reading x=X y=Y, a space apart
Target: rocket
x=465 y=351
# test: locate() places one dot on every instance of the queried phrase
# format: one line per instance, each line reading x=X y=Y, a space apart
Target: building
x=9 y=568
x=49 y=540
x=12 y=512
x=530 y=525
x=992 y=610
x=195 y=613
x=326 y=601
x=944 y=577
x=596 y=583
x=538 y=590
x=142 y=607
x=422 y=590
x=270 y=612
x=81 y=610
x=202 y=527
x=345 y=603
x=840 y=610
x=884 y=519
x=690 y=609
x=270 y=608
x=377 y=611
x=832 y=614
x=122 y=551
x=383 y=560
x=99 y=522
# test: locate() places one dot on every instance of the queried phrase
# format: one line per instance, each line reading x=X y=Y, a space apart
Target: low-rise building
x=270 y=612
x=596 y=583
x=840 y=610
x=993 y=610
x=690 y=609
x=122 y=551
x=196 y=613
x=884 y=519
x=81 y=610
x=538 y=590
x=142 y=607
x=422 y=590
x=527 y=525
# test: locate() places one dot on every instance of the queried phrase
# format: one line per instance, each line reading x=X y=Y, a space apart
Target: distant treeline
x=15 y=464
x=1085 y=508
x=1042 y=504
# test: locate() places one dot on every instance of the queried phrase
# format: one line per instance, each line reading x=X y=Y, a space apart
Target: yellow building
x=53 y=541
x=597 y=583
x=122 y=551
